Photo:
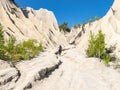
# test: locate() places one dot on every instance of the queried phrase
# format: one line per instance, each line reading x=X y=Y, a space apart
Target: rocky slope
x=80 y=73
x=21 y=76
x=72 y=70
x=109 y=25
x=27 y=24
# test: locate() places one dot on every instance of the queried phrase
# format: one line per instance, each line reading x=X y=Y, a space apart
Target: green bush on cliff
x=2 y=45
x=97 y=18
x=15 y=52
x=23 y=51
x=96 y=45
x=64 y=27
x=97 y=48
x=29 y=49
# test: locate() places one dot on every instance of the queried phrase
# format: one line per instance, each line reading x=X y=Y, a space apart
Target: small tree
x=79 y=25
x=97 y=18
x=91 y=51
x=75 y=26
x=64 y=27
x=15 y=52
x=2 y=42
x=100 y=43
x=1 y=36
x=90 y=20
x=10 y=47
x=96 y=47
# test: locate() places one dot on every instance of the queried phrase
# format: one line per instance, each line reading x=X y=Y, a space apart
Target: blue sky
x=71 y=11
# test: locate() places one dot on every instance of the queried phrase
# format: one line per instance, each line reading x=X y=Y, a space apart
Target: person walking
x=60 y=50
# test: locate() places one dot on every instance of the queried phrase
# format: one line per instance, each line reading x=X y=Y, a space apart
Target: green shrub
x=96 y=18
x=2 y=46
x=91 y=51
x=10 y=48
x=12 y=12
x=64 y=27
x=106 y=58
x=75 y=26
x=26 y=50
x=79 y=25
x=31 y=48
x=96 y=47
x=90 y=20
x=15 y=52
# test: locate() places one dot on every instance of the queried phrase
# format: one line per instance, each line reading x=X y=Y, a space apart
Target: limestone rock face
x=80 y=73
x=8 y=75
x=22 y=75
x=70 y=71
x=27 y=24
x=110 y=26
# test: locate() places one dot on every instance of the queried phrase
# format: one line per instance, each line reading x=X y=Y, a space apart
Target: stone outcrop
x=8 y=75
x=70 y=71
x=22 y=75
x=109 y=25
x=80 y=73
x=27 y=24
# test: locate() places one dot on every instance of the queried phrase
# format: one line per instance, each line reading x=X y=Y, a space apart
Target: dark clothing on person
x=60 y=50
x=113 y=11
x=83 y=29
